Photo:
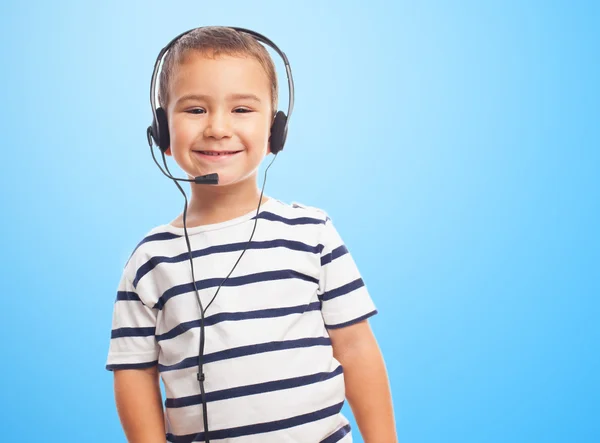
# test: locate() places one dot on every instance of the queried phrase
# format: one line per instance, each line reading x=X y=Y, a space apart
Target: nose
x=219 y=125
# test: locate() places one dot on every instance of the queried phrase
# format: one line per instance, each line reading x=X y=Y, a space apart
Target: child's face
x=219 y=104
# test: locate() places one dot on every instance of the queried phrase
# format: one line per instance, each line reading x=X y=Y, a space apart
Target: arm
x=139 y=404
x=367 y=386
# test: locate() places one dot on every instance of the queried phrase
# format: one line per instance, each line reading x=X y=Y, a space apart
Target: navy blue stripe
x=259 y=388
x=351 y=322
x=154 y=237
x=345 y=289
x=237 y=316
x=290 y=221
x=337 y=435
x=132 y=332
x=337 y=252
x=242 y=351
x=132 y=365
x=232 y=281
x=127 y=296
x=218 y=249
x=260 y=428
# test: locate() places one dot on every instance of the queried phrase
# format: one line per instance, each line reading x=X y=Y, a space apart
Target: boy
x=287 y=337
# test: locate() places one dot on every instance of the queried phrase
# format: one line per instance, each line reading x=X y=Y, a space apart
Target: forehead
x=219 y=75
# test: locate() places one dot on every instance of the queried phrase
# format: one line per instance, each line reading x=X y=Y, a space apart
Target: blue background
x=454 y=144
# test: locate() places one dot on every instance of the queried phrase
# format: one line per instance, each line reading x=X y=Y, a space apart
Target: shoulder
x=300 y=213
x=151 y=243
x=313 y=210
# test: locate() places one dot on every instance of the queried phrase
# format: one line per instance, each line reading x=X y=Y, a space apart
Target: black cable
x=154 y=134
x=200 y=374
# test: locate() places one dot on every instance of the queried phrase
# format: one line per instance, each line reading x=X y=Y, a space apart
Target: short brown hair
x=213 y=41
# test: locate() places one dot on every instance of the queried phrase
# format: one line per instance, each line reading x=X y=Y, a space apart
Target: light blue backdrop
x=454 y=144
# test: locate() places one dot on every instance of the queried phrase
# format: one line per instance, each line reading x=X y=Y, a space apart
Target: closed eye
x=242 y=110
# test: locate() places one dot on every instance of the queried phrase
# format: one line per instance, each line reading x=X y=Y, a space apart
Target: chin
x=226 y=179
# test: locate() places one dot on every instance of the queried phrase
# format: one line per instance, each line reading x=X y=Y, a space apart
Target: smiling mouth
x=217 y=153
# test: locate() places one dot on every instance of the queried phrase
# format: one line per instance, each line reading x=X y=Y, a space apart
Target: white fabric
x=269 y=366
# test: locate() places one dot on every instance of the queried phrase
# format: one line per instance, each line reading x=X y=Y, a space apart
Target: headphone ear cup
x=278 y=132
x=160 y=129
x=152 y=133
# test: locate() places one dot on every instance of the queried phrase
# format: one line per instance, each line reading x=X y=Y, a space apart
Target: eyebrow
x=230 y=97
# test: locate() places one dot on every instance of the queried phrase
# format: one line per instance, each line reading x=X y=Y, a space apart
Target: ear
x=168 y=152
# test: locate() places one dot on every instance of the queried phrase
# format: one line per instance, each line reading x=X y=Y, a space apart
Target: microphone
x=208 y=179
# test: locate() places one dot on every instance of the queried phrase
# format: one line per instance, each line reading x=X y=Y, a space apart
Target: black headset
x=158 y=132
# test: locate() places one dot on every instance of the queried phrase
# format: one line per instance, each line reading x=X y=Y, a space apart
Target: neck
x=215 y=204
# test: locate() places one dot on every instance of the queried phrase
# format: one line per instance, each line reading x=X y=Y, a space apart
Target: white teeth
x=217 y=153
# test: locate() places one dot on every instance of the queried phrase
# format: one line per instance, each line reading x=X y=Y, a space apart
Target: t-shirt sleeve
x=342 y=291
x=132 y=343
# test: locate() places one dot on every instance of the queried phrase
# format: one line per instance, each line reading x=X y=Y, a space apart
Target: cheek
x=258 y=133
x=181 y=130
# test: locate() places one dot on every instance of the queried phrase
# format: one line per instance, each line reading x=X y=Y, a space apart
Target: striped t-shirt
x=269 y=366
